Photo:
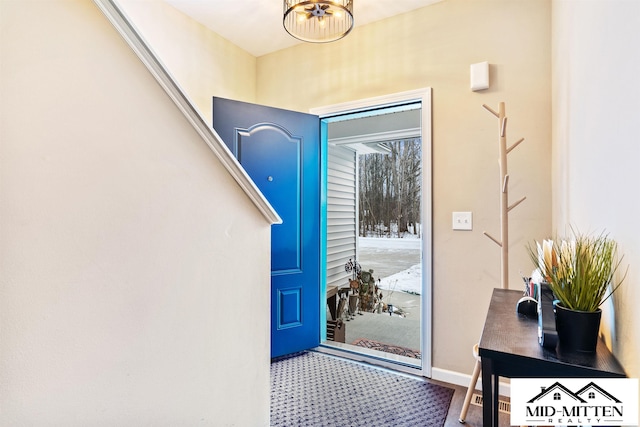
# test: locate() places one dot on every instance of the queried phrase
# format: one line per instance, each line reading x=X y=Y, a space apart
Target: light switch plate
x=462 y=221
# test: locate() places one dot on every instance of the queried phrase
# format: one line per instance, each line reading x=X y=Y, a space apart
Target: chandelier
x=318 y=21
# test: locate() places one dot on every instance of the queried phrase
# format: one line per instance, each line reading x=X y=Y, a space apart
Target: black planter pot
x=577 y=330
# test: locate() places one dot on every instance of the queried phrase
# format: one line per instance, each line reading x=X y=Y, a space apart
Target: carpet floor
x=313 y=389
x=387 y=348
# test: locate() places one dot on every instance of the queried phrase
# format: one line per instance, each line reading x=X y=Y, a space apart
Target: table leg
x=496 y=399
x=488 y=417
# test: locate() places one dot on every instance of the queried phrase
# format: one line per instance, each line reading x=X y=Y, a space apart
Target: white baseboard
x=463 y=380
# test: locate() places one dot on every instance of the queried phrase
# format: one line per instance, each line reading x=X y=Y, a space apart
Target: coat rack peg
x=503 y=127
x=486 y=107
x=516 y=203
x=515 y=144
x=498 y=242
x=505 y=184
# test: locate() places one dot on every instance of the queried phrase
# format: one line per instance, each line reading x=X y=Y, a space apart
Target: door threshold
x=389 y=361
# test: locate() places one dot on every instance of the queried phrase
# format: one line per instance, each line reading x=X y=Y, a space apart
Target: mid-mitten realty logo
x=574 y=401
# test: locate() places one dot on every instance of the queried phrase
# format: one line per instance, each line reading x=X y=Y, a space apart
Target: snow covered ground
x=410 y=242
x=409 y=280
x=395 y=261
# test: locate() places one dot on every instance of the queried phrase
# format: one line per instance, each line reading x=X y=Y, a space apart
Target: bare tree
x=390 y=188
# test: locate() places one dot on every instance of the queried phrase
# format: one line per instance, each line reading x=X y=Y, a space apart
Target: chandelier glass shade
x=318 y=21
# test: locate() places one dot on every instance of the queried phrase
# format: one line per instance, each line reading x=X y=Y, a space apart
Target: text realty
x=584 y=411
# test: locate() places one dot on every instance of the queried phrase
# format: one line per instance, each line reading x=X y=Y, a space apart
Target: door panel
x=280 y=185
x=280 y=151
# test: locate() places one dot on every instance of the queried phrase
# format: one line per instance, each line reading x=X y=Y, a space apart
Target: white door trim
x=424 y=96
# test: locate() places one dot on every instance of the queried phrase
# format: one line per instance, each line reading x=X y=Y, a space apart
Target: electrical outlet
x=462 y=221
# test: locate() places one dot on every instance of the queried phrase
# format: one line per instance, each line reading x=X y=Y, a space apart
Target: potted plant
x=368 y=289
x=581 y=273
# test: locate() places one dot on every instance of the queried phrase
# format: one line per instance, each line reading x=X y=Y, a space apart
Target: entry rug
x=395 y=349
x=314 y=389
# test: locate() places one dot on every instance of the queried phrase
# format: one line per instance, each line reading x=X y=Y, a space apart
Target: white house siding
x=341 y=213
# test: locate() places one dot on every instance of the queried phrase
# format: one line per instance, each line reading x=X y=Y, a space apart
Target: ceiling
x=256 y=25
x=369 y=131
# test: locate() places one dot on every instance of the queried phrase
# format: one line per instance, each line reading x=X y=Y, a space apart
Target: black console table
x=509 y=348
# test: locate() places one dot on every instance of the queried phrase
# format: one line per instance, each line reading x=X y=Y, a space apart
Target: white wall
x=134 y=285
x=204 y=63
x=596 y=110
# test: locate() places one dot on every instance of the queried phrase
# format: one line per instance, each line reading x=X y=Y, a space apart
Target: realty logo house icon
x=571 y=401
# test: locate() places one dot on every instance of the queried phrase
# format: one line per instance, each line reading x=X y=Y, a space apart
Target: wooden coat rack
x=505 y=208
x=503 y=241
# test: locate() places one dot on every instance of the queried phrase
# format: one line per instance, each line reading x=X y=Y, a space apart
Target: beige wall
x=596 y=104
x=202 y=62
x=434 y=47
x=123 y=298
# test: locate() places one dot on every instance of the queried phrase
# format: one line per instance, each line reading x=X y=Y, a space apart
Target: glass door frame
x=424 y=97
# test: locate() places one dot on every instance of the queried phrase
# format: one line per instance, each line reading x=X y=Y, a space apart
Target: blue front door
x=280 y=150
